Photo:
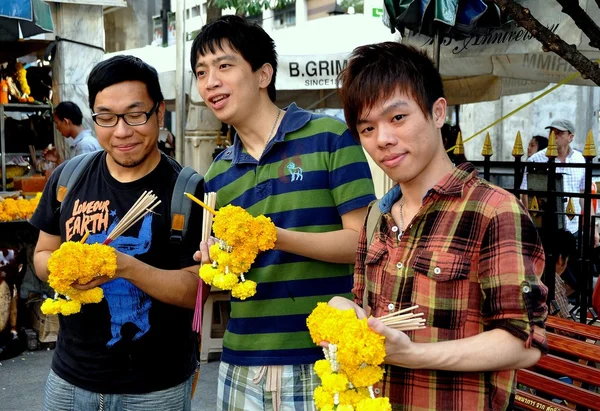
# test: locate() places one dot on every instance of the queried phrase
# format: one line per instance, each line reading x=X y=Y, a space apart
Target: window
x=195 y=11
x=285 y=17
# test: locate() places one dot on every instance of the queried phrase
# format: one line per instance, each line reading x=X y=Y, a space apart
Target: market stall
x=26 y=128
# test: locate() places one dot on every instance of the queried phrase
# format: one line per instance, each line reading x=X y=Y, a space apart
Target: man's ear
x=266 y=74
x=160 y=113
x=439 y=112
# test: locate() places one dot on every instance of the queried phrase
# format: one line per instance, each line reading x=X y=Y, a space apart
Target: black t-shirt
x=129 y=342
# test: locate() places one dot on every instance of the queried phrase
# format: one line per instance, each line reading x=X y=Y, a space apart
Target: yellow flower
x=365 y=376
x=244 y=289
x=322 y=367
x=22 y=78
x=358 y=352
x=246 y=236
x=207 y=273
x=322 y=398
x=344 y=407
x=77 y=262
x=335 y=382
x=50 y=306
x=374 y=404
x=225 y=281
x=70 y=307
x=353 y=397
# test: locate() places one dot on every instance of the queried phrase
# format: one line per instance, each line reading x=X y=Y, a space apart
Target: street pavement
x=22 y=380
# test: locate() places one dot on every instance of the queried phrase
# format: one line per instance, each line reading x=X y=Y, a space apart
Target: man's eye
x=135 y=116
x=398 y=117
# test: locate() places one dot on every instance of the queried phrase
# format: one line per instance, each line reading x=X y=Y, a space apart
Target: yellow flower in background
x=81 y=263
x=18 y=209
x=22 y=78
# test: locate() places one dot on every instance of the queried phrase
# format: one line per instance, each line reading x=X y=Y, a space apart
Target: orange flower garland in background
x=19 y=209
x=241 y=238
x=77 y=262
x=352 y=361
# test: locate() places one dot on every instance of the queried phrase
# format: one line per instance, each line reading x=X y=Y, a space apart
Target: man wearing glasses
x=135 y=349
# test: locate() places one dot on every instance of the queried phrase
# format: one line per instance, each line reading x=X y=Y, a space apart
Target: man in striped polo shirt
x=307 y=173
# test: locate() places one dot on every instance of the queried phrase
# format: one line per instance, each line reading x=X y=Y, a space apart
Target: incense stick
x=210 y=200
x=403 y=320
x=144 y=204
x=195 y=200
x=85 y=237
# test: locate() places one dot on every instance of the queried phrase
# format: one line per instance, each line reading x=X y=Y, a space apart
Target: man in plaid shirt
x=462 y=249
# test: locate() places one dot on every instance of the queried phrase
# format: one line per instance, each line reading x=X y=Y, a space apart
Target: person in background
x=461 y=249
x=565 y=247
x=573 y=178
x=68 y=119
x=536 y=144
x=306 y=173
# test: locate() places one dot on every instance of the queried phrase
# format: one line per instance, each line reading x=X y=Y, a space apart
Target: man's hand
x=342 y=303
x=203 y=254
x=50 y=154
x=397 y=344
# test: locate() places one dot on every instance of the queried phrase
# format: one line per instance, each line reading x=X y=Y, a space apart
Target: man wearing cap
x=573 y=178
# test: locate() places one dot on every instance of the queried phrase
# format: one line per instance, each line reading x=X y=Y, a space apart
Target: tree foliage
x=359 y=5
x=251 y=7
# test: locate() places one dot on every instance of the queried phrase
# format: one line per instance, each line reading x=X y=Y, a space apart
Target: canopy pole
x=437 y=43
x=180 y=76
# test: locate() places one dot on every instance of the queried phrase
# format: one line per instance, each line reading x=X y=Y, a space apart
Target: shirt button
x=437 y=270
x=377 y=391
x=526 y=289
x=391 y=307
x=394 y=229
x=399 y=265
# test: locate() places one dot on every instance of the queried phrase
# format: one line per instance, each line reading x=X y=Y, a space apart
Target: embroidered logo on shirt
x=295 y=172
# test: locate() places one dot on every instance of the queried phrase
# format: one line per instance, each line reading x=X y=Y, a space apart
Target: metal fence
x=509 y=175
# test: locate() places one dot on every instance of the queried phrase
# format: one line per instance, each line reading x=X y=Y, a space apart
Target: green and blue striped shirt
x=310 y=174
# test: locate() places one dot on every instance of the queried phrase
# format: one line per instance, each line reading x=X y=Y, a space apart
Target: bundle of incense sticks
x=210 y=200
x=404 y=320
x=145 y=204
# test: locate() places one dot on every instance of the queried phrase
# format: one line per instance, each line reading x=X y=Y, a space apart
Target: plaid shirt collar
x=452 y=184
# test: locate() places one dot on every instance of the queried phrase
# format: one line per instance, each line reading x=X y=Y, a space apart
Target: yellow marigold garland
x=77 y=262
x=352 y=361
x=19 y=209
x=22 y=79
x=242 y=237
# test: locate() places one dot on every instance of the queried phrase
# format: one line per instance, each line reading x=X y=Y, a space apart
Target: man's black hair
x=248 y=39
x=122 y=68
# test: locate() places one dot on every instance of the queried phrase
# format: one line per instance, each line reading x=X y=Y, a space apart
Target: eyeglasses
x=134 y=118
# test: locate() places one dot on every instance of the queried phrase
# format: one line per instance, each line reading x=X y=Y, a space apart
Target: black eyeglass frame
x=118 y=116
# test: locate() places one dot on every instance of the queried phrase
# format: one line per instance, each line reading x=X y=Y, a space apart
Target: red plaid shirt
x=472 y=260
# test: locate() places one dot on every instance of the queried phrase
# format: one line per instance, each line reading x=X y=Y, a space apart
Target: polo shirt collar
x=294 y=119
x=452 y=184
x=80 y=137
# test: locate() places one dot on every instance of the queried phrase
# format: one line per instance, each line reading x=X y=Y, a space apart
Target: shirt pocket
x=375 y=266
x=441 y=288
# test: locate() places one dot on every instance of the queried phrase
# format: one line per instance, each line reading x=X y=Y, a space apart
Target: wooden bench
x=574 y=356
